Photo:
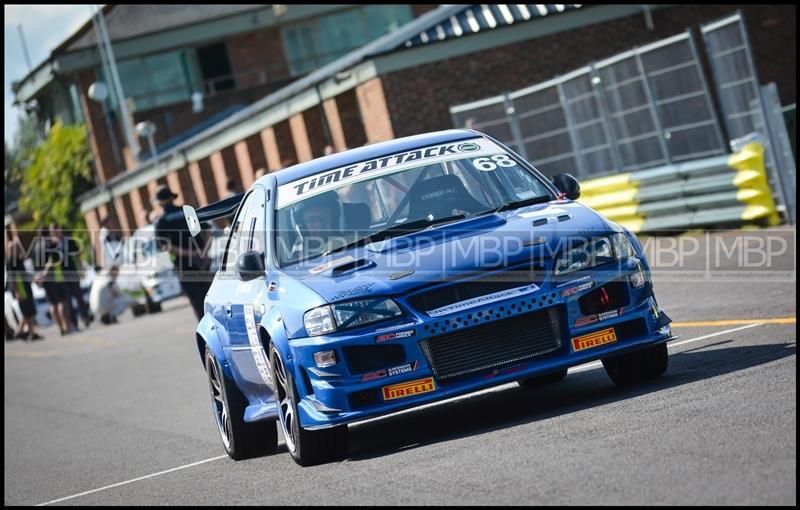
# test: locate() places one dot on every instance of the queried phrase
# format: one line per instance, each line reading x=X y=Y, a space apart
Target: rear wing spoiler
x=210 y=212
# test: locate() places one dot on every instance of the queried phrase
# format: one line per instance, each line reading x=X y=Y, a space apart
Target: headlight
x=594 y=253
x=622 y=246
x=349 y=314
x=319 y=321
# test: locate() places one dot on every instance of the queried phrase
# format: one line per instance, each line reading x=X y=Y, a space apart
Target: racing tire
x=637 y=366
x=541 y=380
x=307 y=447
x=240 y=439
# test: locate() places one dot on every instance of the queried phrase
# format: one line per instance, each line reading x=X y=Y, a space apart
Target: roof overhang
x=34 y=83
x=487 y=39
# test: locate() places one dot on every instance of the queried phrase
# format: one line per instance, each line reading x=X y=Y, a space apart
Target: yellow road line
x=734 y=322
x=30 y=354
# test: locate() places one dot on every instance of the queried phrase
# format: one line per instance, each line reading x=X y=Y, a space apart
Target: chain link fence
x=646 y=107
x=751 y=111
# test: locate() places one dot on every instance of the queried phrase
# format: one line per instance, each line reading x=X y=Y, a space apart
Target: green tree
x=60 y=170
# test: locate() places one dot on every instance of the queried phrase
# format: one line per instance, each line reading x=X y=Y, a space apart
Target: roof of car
x=368 y=152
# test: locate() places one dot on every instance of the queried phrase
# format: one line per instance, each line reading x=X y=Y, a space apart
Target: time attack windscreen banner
x=303 y=188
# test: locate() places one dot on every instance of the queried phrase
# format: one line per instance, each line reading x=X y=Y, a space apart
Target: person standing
x=69 y=251
x=20 y=283
x=230 y=188
x=110 y=242
x=188 y=254
x=51 y=278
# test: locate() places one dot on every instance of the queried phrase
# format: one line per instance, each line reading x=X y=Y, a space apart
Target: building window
x=314 y=43
x=382 y=19
x=155 y=80
x=215 y=68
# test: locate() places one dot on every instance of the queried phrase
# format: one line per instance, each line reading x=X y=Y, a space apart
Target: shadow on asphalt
x=517 y=406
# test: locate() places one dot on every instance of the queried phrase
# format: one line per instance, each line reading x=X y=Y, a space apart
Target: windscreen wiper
x=395 y=231
x=520 y=203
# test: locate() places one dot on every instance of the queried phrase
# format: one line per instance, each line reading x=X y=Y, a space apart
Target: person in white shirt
x=106 y=300
x=111 y=242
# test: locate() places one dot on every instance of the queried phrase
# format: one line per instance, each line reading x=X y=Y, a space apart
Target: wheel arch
x=207 y=335
x=271 y=331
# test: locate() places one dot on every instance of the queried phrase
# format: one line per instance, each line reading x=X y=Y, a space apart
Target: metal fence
x=642 y=108
x=772 y=130
x=750 y=111
x=734 y=73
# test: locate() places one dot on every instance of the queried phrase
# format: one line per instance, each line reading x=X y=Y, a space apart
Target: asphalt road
x=121 y=415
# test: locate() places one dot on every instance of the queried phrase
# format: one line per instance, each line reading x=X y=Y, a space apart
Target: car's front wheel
x=307 y=447
x=637 y=366
x=240 y=439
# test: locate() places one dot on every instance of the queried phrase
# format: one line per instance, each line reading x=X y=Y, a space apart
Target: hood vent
x=349 y=267
x=551 y=219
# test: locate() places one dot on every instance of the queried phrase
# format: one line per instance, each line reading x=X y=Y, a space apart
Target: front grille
x=497 y=281
x=482 y=349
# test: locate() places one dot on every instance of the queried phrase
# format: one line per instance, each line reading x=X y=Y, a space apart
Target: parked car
x=147 y=271
x=407 y=272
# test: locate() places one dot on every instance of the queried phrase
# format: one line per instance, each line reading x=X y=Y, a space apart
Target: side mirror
x=568 y=185
x=250 y=265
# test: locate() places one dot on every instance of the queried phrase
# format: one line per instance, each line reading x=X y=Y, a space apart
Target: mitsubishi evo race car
x=406 y=272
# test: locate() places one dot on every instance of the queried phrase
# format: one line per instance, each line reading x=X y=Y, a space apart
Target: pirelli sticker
x=602 y=337
x=408 y=389
x=300 y=189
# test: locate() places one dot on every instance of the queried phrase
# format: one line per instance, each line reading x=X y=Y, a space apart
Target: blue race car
x=406 y=272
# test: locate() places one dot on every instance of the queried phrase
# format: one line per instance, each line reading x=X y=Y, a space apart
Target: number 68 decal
x=490 y=163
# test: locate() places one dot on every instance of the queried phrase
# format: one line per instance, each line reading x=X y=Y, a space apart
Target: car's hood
x=398 y=265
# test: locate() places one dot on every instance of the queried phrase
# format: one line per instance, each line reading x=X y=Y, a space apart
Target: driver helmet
x=330 y=200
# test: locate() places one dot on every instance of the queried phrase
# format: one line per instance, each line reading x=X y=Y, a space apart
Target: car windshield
x=399 y=194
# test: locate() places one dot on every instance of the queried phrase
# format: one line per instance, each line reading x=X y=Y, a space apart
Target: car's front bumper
x=415 y=375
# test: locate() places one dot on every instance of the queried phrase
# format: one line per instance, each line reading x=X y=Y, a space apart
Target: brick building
x=404 y=83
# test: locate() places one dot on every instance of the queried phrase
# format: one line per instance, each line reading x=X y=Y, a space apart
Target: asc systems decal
x=396 y=336
x=574 y=290
x=408 y=389
x=591 y=319
x=302 y=188
x=390 y=372
x=602 y=337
